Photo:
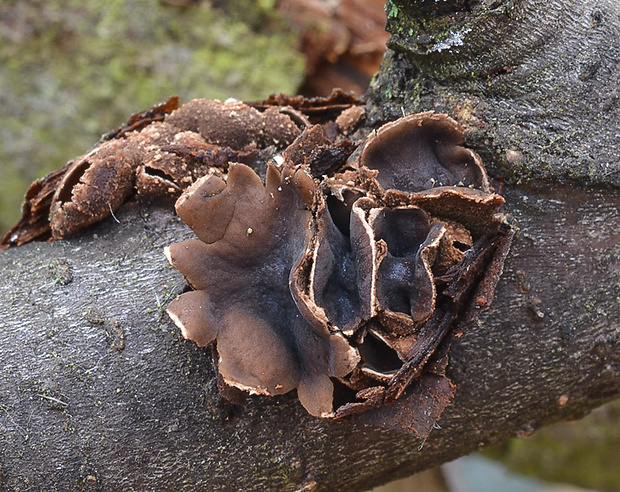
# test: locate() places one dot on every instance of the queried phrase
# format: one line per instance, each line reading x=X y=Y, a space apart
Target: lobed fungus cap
x=422 y=151
x=253 y=239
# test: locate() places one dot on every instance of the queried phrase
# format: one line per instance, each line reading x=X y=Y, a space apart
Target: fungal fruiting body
x=246 y=299
x=351 y=285
x=160 y=152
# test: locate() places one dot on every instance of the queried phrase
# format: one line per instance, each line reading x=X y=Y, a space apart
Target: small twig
x=422 y=444
x=55 y=400
x=112 y=213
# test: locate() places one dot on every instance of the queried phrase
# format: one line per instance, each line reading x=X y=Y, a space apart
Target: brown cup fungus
x=348 y=287
x=159 y=152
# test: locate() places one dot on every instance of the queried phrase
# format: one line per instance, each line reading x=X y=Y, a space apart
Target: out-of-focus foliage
x=583 y=453
x=72 y=70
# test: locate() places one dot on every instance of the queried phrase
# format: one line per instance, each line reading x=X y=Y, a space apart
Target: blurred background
x=575 y=456
x=72 y=70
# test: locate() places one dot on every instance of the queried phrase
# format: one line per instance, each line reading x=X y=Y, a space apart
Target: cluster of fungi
x=329 y=259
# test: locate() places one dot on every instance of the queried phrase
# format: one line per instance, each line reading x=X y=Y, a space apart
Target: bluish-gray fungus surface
x=327 y=260
x=346 y=286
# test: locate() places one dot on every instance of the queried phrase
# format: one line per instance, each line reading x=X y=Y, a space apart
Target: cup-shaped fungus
x=159 y=152
x=95 y=184
x=253 y=240
x=353 y=280
x=345 y=275
x=422 y=151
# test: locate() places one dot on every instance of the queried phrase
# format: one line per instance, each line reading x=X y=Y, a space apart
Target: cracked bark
x=99 y=392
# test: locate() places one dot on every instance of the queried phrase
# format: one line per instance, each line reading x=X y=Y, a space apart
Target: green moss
x=393 y=12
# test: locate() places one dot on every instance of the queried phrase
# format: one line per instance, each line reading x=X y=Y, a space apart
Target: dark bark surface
x=535 y=82
x=98 y=391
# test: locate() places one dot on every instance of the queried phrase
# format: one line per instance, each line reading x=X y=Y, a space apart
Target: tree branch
x=99 y=392
x=98 y=388
x=535 y=83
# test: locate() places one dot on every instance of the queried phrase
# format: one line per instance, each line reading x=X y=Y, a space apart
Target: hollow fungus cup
x=346 y=284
